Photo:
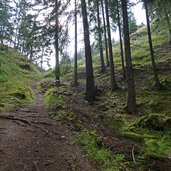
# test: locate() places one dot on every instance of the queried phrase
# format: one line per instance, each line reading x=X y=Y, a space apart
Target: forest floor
x=30 y=140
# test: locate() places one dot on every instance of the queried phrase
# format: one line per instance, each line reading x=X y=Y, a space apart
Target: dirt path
x=32 y=141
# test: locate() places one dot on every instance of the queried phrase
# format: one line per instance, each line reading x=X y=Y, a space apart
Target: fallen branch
x=133 y=156
x=124 y=167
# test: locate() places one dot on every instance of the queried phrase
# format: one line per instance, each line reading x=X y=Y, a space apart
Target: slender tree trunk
x=156 y=79
x=169 y=25
x=57 y=69
x=105 y=35
x=1 y=34
x=103 y=68
x=121 y=45
x=131 y=100
x=112 y=70
x=170 y=36
x=90 y=89
x=75 y=59
x=31 y=53
x=41 y=62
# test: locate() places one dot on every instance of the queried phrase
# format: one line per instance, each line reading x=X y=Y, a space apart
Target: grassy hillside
x=17 y=76
x=150 y=126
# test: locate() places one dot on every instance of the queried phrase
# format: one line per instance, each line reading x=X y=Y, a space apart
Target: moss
x=15 y=81
x=95 y=150
x=133 y=136
x=159 y=147
x=54 y=99
x=167 y=124
x=154 y=122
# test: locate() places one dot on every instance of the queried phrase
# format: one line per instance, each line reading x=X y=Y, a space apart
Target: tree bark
x=105 y=35
x=90 y=89
x=57 y=69
x=41 y=62
x=131 y=100
x=103 y=68
x=169 y=25
x=31 y=53
x=156 y=79
x=112 y=70
x=75 y=58
x=121 y=45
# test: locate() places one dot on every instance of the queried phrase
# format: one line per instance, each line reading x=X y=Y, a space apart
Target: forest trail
x=30 y=140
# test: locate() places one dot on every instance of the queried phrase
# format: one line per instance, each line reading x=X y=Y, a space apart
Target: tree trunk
x=170 y=36
x=112 y=70
x=41 y=62
x=156 y=79
x=31 y=53
x=131 y=100
x=75 y=59
x=121 y=45
x=1 y=34
x=90 y=89
x=103 y=68
x=105 y=35
x=169 y=25
x=57 y=69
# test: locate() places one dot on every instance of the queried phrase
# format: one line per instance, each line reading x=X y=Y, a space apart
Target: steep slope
x=17 y=76
x=149 y=129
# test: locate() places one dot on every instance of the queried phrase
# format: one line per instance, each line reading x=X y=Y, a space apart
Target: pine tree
x=103 y=68
x=75 y=57
x=105 y=34
x=156 y=79
x=131 y=100
x=6 y=29
x=90 y=89
x=112 y=70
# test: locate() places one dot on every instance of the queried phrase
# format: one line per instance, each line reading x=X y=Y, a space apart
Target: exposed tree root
x=2 y=152
x=11 y=117
x=43 y=123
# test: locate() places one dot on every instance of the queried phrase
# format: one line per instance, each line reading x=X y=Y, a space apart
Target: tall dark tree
x=103 y=68
x=6 y=29
x=132 y=22
x=131 y=100
x=112 y=70
x=156 y=78
x=120 y=38
x=105 y=35
x=57 y=68
x=75 y=57
x=90 y=89
x=161 y=9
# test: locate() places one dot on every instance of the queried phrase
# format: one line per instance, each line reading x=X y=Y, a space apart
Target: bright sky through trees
x=139 y=14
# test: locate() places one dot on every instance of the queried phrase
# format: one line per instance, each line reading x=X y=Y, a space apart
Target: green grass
x=96 y=151
x=152 y=134
x=154 y=137
x=54 y=99
x=17 y=76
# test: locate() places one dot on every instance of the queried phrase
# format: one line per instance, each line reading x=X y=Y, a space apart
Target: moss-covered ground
x=150 y=126
x=17 y=76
